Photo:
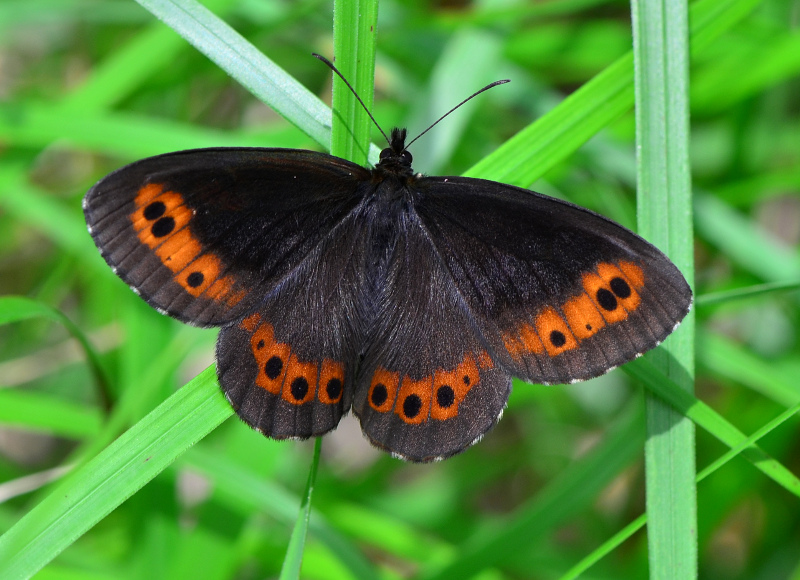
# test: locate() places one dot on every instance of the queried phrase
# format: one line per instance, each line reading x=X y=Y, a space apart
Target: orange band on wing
x=281 y=372
x=610 y=294
x=162 y=222
x=436 y=396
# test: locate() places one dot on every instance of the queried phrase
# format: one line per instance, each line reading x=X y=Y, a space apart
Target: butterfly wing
x=426 y=388
x=205 y=235
x=288 y=369
x=558 y=292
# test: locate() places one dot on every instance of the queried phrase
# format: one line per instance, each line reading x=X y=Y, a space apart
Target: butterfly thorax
x=395 y=160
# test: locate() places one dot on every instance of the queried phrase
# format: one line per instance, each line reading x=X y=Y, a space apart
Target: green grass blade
x=354 y=36
x=242 y=61
x=294 y=554
x=91 y=492
x=746 y=292
x=661 y=67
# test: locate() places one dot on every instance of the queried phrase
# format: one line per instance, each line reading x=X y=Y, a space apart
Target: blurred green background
x=89 y=85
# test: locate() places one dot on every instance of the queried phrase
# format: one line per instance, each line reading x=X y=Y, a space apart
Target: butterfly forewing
x=559 y=292
x=205 y=235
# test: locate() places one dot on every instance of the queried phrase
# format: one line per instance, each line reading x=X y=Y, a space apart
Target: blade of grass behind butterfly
x=664 y=210
x=294 y=554
x=552 y=138
x=354 y=38
x=245 y=63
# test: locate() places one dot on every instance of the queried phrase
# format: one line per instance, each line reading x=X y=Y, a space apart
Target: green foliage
x=162 y=486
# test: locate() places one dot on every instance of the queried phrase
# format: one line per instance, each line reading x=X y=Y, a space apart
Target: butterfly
x=410 y=299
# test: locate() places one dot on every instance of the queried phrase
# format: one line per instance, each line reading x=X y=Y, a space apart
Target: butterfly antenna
x=352 y=90
x=472 y=96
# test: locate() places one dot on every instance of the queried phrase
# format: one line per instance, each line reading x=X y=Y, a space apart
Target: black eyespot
x=620 y=287
x=273 y=367
x=334 y=389
x=412 y=406
x=195 y=279
x=163 y=227
x=606 y=299
x=155 y=210
x=379 y=394
x=558 y=339
x=299 y=388
x=445 y=396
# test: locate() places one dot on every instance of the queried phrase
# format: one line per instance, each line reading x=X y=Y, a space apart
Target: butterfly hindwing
x=427 y=388
x=203 y=235
x=559 y=293
x=288 y=368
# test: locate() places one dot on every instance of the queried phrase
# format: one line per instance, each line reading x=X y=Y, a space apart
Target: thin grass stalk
x=354 y=36
x=661 y=68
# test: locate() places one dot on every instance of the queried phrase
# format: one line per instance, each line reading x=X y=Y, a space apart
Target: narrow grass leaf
x=243 y=62
x=294 y=554
x=746 y=292
x=661 y=71
x=354 y=43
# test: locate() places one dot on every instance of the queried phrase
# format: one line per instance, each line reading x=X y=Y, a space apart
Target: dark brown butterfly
x=411 y=299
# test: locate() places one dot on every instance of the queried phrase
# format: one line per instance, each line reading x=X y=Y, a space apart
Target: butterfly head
x=395 y=158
